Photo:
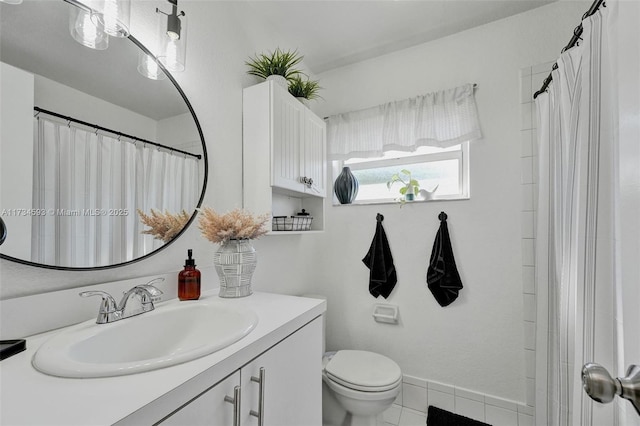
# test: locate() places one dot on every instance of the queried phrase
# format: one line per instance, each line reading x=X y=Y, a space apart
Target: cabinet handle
x=260 y=413
x=307 y=181
x=236 y=405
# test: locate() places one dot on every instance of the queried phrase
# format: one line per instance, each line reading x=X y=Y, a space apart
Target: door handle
x=236 y=405
x=260 y=413
x=601 y=387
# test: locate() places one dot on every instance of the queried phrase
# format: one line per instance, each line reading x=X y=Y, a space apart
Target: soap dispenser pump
x=189 y=280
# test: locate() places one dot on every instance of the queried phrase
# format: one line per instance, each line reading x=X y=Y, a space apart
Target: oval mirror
x=88 y=145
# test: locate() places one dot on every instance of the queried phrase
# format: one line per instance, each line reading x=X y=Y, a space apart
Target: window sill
x=380 y=202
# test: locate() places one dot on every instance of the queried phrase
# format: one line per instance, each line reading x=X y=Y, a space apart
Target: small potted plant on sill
x=277 y=65
x=410 y=186
x=304 y=90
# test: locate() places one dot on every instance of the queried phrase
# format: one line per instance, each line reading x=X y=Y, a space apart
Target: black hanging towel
x=442 y=275
x=382 y=272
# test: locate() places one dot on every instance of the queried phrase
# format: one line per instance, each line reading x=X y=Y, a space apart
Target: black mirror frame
x=191 y=220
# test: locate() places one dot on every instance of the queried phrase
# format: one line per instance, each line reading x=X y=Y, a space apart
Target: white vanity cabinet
x=209 y=408
x=291 y=384
x=280 y=387
x=286 y=342
x=284 y=149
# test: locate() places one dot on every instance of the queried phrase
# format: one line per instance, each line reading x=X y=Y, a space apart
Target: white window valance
x=442 y=119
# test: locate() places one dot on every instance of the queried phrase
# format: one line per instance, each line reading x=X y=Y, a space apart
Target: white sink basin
x=169 y=335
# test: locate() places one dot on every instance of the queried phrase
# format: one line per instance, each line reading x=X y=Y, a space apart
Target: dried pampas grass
x=164 y=226
x=237 y=224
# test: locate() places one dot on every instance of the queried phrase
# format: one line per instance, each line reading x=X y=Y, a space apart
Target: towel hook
x=379 y=217
x=442 y=216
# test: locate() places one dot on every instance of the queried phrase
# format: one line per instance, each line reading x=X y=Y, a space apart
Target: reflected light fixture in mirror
x=172 y=38
x=84 y=31
x=148 y=67
x=112 y=15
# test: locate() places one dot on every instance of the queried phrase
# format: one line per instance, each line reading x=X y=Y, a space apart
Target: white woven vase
x=235 y=261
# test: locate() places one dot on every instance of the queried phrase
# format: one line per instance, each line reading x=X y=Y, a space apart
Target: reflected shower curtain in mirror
x=90 y=185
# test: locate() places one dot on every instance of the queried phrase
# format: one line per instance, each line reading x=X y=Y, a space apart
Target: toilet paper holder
x=385 y=313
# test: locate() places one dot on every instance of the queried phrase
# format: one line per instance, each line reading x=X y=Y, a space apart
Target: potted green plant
x=277 y=65
x=410 y=186
x=304 y=89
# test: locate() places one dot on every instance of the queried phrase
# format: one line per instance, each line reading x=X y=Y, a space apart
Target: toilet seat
x=363 y=371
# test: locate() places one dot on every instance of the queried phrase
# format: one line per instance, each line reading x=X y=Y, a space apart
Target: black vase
x=346 y=186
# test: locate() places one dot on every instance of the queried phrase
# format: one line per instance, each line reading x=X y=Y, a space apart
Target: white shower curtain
x=577 y=280
x=90 y=185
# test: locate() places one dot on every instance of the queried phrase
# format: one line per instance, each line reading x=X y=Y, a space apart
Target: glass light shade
x=112 y=15
x=148 y=67
x=84 y=31
x=11 y=1
x=172 y=46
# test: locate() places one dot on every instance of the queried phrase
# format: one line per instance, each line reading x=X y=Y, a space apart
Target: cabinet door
x=292 y=381
x=209 y=408
x=315 y=153
x=288 y=132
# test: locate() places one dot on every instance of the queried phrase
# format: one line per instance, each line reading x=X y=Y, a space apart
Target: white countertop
x=28 y=397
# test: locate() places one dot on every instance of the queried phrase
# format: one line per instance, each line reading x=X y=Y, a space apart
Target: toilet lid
x=362 y=370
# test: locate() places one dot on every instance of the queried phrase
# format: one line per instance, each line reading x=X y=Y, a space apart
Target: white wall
x=179 y=132
x=221 y=38
x=66 y=100
x=477 y=342
x=16 y=157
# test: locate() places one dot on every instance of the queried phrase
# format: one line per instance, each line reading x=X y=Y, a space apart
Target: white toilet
x=358 y=386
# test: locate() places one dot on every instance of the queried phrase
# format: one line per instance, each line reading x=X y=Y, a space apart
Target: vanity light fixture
x=172 y=38
x=84 y=31
x=11 y=1
x=148 y=67
x=112 y=15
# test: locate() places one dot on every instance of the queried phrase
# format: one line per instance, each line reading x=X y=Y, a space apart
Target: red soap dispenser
x=189 y=280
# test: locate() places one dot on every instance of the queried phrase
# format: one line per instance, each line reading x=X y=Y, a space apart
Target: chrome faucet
x=109 y=311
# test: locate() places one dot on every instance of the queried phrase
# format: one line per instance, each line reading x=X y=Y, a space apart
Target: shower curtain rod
x=95 y=126
x=577 y=32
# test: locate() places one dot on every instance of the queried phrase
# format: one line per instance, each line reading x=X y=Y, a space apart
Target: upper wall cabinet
x=284 y=154
x=298 y=145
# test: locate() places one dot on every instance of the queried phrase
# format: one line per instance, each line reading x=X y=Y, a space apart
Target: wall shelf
x=283 y=143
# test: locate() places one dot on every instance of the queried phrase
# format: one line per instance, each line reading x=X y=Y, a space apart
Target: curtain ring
x=69 y=123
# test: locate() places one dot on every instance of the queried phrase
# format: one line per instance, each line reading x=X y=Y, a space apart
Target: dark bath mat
x=439 y=417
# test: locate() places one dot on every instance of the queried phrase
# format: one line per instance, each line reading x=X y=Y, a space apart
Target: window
x=446 y=168
x=431 y=133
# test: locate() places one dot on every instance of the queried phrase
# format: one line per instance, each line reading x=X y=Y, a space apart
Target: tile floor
x=398 y=415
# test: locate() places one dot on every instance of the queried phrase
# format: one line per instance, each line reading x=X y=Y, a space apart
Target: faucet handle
x=151 y=292
x=108 y=305
x=153 y=281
